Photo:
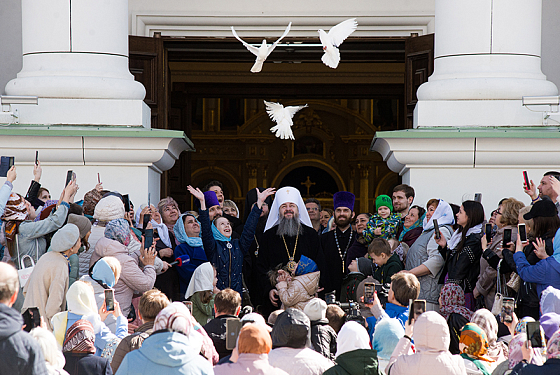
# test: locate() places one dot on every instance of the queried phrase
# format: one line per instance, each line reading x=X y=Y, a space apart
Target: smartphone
x=147 y=219
x=437 y=232
x=534 y=334
x=488 y=233
x=415 y=309
x=189 y=305
x=522 y=230
x=149 y=196
x=330 y=299
x=31 y=318
x=526 y=178
x=148 y=238
x=6 y=162
x=98 y=179
x=507 y=238
x=36 y=157
x=508 y=305
x=233 y=326
x=69 y=176
x=110 y=299
x=369 y=289
x=478 y=197
x=126 y=201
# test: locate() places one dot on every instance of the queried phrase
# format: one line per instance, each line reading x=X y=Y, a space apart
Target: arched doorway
x=312 y=182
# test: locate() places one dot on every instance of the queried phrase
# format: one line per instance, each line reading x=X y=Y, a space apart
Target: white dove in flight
x=283 y=118
x=263 y=51
x=334 y=39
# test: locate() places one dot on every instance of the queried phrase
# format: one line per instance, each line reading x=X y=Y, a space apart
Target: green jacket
x=383 y=274
x=356 y=362
x=202 y=312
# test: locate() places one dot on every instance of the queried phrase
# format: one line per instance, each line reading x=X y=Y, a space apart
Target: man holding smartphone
x=549 y=187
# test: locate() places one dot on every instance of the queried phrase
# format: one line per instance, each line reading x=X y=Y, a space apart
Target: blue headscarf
x=102 y=272
x=181 y=234
x=556 y=246
x=218 y=236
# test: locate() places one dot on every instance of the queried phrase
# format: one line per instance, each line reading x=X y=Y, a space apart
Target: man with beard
x=288 y=235
x=335 y=243
x=403 y=196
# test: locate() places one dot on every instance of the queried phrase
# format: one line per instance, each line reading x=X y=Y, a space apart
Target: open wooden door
x=419 y=65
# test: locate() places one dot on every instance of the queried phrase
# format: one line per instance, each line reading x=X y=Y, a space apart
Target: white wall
x=550 y=44
x=10 y=41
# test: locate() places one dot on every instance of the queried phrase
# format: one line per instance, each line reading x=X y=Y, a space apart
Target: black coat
x=463 y=267
x=455 y=322
x=19 y=351
x=323 y=338
x=331 y=278
x=550 y=367
x=216 y=329
x=168 y=282
x=86 y=364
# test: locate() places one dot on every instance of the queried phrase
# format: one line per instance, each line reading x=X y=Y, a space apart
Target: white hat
x=109 y=208
x=287 y=194
x=316 y=309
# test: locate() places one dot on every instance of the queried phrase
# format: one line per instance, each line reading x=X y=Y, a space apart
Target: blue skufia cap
x=306 y=265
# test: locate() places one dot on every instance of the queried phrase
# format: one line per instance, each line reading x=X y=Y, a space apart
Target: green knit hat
x=383 y=200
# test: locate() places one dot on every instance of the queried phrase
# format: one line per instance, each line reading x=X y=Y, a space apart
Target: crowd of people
x=288 y=286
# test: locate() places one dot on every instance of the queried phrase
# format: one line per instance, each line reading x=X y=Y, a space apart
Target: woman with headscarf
x=463 y=250
x=187 y=233
x=173 y=348
x=388 y=332
x=201 y=292
x=412 y=225
x=253 y=345
x=452 y=308
x=133 y=279
x=497 y=350
x=79 y=350
x=423 y=258
x=550 y=367
x=474 y=346
x=54 y=359
x=538 y=356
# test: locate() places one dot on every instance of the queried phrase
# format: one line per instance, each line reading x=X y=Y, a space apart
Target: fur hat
x=109 y=208
x=316 y=309
x=65 y=238
x=383 y=201
x=82 y=222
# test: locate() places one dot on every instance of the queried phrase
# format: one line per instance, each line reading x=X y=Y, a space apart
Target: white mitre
x=284 y=195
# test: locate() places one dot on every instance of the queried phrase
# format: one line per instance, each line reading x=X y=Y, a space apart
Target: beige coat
x=299 y=291
x=132 y=279
x=431 y=338
x=47 y=286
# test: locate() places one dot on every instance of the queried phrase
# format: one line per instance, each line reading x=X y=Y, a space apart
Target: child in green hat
x=384 y=223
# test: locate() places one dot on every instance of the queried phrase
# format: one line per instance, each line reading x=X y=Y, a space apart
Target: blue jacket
x=197 y=256
x=166 y=353
x=545 y=273
x=392 y=311
x=229 y=262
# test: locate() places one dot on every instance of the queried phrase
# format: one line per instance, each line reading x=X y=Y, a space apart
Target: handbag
x=499 y=297
x=514 y=282
x=24 y=273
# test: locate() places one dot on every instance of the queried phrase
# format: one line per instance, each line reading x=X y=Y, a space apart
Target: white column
x=485 y=50
x=75 y=49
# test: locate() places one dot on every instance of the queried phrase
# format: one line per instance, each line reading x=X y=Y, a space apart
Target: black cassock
x=334 y=271
x=272 y=252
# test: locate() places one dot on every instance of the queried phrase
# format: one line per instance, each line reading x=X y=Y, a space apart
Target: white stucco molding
x=510 y=148
x=175 y=24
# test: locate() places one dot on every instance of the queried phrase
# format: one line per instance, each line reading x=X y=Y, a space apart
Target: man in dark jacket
x=227 y=304
x=20 y=353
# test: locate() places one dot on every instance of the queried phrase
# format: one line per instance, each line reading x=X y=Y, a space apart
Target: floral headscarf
x=516 y=355
x=80 y=338
x=521 y=326
x=485 y=320
x=15 y=212
x=118 y=230
x=473 y=345
x=452 y=298
x=553 y=348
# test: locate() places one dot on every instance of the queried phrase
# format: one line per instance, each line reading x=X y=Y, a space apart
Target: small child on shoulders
x=295 y=291
x=384 y=223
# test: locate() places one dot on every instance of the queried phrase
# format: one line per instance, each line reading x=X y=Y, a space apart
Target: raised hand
x=69 y=191
x=198 y=194
x=37 y=171
x=555 y=183
x=262 y=196
x=540 y=249
x=442 y=241
x=99 y=187
x=530 y=190
x=12 y=175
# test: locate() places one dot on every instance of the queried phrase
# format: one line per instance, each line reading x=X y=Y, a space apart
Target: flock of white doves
x=331 y=57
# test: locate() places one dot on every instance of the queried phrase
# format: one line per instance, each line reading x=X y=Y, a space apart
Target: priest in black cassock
x=288 y=235
x=335 y=243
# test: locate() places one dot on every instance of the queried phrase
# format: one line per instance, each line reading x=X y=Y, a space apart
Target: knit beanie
x=65 y=238
x=109 y=208
x=82 y=222
x=316 y=309
x=254 y=339
x=383 y=201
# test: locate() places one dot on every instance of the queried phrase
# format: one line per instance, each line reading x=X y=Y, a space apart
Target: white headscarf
x=81 y=299
x=550 y=300
x=201 y=280
x=284 y=195
x=443 y=215
x=352 y=336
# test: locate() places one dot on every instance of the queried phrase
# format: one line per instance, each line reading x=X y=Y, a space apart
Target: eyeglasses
x=312 y=209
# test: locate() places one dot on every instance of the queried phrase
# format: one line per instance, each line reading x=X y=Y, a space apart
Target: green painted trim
x=473 y=132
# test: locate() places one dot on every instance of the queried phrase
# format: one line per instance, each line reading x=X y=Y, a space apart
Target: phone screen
x=534 y=334
x=31 y=318
x=36 y=157
x=522 y=232
x=526 y=178
x=126 y=201
x=149 y=238
x=69 y=175
x=478 y=197
x=508 y=305
x=109 y=300
x=369 y=289
x=233 y=326
x=6 y=162
x=415 y=309
x=488 y=233
x=436 y=228
x=147 y=219
x=507 y=238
